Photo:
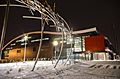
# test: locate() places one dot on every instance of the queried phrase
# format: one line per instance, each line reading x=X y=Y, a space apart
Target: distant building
x=86 y=45
x=16 y=49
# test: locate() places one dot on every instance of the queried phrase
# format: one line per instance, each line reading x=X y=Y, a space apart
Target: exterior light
x=71 y=39
x=62 y=24
x=63 y=41
x=25 y=38
x=55 y=43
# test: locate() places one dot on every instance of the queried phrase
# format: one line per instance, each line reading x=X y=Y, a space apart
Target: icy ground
x=45 y=70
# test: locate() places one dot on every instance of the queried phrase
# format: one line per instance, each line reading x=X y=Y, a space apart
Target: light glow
x=25 y=38
x=55 y=43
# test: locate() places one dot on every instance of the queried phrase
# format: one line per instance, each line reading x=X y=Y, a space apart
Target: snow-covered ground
x=46 y=70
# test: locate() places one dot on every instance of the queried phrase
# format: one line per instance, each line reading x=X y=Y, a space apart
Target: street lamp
x=55 y=43
x=25 y=40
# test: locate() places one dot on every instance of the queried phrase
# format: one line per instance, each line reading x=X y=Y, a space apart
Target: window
x=34 y=49
x=18 y=51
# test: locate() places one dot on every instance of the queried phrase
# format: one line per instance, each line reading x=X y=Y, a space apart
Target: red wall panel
x=94 y=43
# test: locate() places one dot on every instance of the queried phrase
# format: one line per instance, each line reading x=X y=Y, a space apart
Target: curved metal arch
x=49 y=15
x=23 y=6
x=13 y=5
x=52 y=33
x=29 y=33
x=46 y=11
x=58 y=21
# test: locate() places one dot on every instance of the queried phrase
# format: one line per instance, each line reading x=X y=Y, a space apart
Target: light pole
x=25 y=41
x=55 y=43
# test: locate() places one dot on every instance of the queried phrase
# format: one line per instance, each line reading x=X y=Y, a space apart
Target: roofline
x=52 y=33
x=85 y=31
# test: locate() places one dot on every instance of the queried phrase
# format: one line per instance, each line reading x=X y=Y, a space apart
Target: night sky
x=80 y=14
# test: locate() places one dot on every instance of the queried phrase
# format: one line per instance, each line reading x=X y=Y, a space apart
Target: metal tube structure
x=71 y=51
x=60 y=49
x=25 y=52
x=47 y=14
x=40 y=44
x=55 y=53
x=25 y=42
x=4 y=28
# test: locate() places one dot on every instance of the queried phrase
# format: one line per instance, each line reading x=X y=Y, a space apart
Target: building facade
x=83 y=46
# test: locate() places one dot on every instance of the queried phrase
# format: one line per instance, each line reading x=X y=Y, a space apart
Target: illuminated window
x=77 y=44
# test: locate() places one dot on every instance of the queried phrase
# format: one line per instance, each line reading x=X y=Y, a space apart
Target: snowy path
x=45 y=70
